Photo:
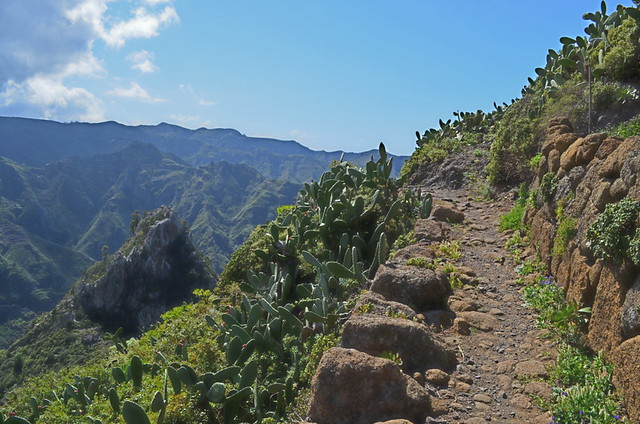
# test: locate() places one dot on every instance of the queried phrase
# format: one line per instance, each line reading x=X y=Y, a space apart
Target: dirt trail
x=501 y=364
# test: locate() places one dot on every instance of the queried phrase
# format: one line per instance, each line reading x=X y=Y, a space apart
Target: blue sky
x=329 y=74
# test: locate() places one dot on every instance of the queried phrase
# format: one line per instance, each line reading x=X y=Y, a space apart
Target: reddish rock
x=437 y=377
x=588 y=148
x=480 y=320
x=374 y=303
x=418 y=250
x=418 y=287
x=352 y=387
x=412 y=341
x=533 y=369
x=613 y=163
x=448 y=213
x=625 y=375
x=605 y=325
x=431 y=230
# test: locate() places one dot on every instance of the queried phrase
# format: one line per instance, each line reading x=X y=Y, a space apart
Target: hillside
x=56 y=219
x=496 y=281
x=38 y=142
x=156 y=269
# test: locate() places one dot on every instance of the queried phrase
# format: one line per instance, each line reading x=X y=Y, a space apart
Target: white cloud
x=142 y=61
x=202 y=102
x=134 y=92
x=142 y=25
x=48 y=97
x=45 y=43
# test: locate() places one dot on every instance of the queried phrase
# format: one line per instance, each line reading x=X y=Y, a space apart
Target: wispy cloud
x=190 y=121
x=202 y=102
x=142 y=61
x=134 y=92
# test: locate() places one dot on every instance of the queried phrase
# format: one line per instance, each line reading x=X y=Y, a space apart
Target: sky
x=330 y=74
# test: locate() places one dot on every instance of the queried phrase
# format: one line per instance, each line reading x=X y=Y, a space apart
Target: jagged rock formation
x=157 y=269
x=592 y=172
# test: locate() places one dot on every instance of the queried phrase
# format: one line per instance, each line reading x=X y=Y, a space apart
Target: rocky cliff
x=580 y=180
x=156 y=269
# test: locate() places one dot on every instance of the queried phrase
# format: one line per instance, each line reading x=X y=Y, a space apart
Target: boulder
x=418 y=250
x=431 y=230
x=480 y=320
x=448 y=213
x=374 y=303
x=352 y=387
x=625 y=375
x=605 y=325
x=411 y=341
x=418 y=287
x=631 y=311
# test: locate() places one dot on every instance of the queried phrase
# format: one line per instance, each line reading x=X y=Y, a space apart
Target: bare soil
x=504 y=359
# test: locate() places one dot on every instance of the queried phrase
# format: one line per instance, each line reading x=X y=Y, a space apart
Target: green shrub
x=622 y=61
x=627 y=129
x=436 y=150
x=512 y=220
x=611 y=235
x=514 y=143
x=592 y=398
x=422 y=262
x=566 y=230
x=548 y=186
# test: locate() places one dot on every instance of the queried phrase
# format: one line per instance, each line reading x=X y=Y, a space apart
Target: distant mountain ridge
x=37 y=142
x=55 y=219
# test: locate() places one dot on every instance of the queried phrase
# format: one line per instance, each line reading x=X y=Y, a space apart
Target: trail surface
x=504 y=358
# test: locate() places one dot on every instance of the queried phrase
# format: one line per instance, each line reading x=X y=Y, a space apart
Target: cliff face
x=576 y=179
x=155 y=270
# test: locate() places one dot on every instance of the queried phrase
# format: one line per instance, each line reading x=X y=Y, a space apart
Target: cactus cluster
x=320 y=252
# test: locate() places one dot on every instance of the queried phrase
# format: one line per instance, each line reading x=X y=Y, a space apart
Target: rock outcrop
x=357 y=382
x=592 y=172
x=157 y=269
x=352 y=387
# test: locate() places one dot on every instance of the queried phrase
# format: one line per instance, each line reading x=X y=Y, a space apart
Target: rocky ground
x=504 y=355
x=472 y=355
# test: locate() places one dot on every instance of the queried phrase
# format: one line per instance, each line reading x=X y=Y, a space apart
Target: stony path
x=504 y=355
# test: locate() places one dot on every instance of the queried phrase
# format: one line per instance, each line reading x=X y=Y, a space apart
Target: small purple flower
x=564 y=394
x=617 y=417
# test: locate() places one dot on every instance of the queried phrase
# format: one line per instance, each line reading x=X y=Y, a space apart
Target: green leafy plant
x=627 y=129
x=566 y=230
x=590 y=397
x=548 y=186
x=393 y=356
x=449 y=249
x=422 y=262
x=612 y=233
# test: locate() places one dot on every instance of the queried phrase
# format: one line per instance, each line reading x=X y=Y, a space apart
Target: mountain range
x=69 y=190
x=38 y=142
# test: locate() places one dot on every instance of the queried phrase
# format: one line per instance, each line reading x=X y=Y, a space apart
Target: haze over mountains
x=67 y=190
x=38 y=142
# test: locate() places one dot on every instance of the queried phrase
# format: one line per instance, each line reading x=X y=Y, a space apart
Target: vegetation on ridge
x=247 y=352
x=591 y=79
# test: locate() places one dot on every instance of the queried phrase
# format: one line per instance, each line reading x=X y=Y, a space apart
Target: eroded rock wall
x=592 y=172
